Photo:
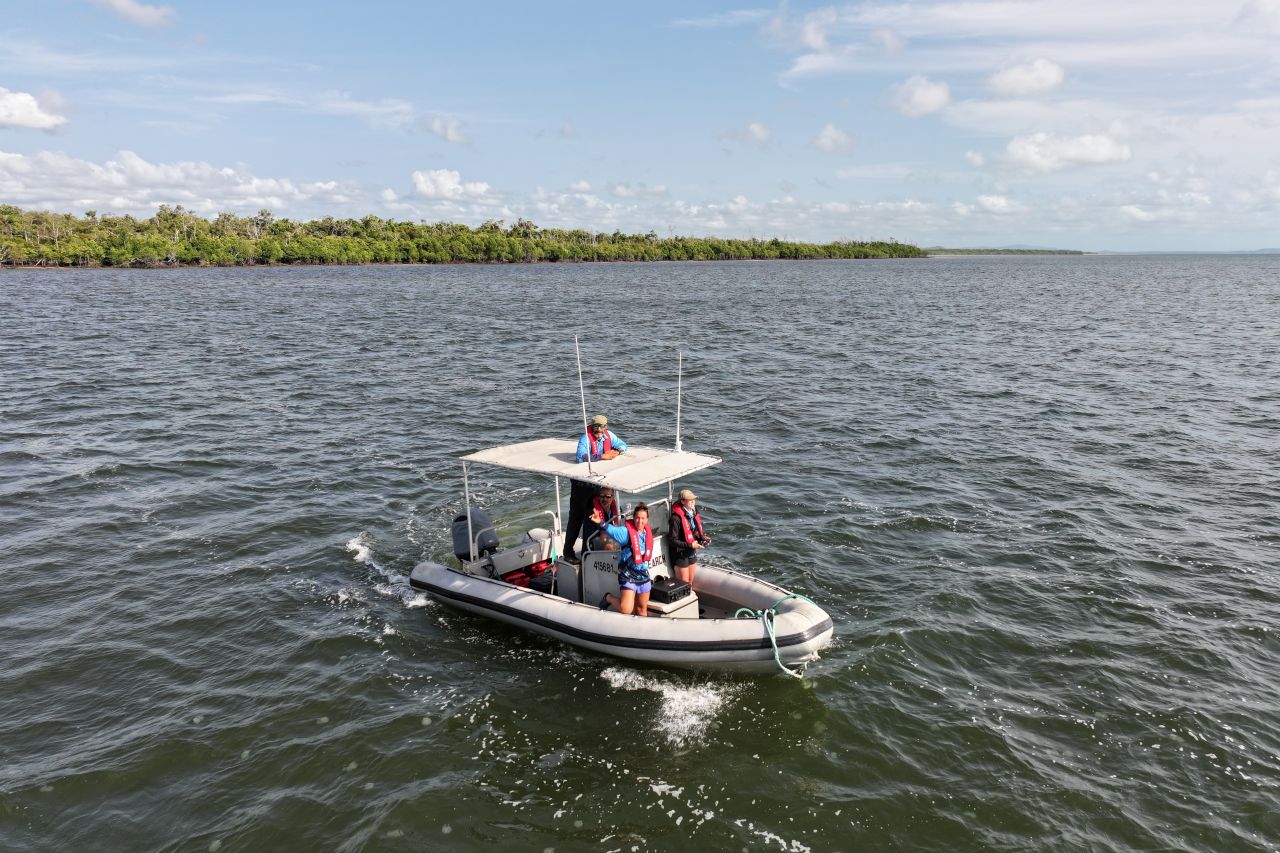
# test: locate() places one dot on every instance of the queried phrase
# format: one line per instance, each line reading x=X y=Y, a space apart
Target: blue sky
x=1090 y=124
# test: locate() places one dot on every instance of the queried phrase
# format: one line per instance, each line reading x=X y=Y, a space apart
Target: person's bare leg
x=624 y=602
x=642 y=604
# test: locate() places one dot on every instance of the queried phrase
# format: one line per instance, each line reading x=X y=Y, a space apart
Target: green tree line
x=177 y=237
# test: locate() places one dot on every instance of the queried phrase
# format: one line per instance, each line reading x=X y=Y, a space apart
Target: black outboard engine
x=487 y=542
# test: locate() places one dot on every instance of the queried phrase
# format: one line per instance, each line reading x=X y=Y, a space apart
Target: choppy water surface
x=1038 y=496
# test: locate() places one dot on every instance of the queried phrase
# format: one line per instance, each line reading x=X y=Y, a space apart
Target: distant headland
x=1006 y=250
x=175 y=237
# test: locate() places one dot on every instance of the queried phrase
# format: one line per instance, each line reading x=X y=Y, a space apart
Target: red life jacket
x=637 y=558
x=606 y=444
x=684 y=521
x=608 y=512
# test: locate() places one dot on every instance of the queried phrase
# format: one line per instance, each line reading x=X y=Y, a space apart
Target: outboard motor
x=487 y=542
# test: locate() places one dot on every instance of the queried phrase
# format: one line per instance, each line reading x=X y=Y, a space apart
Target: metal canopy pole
x=557 y=530
x=679 y=378
x=582 y=392
x=466 y=490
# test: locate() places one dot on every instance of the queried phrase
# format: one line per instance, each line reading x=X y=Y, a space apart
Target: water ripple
x=1036 y=494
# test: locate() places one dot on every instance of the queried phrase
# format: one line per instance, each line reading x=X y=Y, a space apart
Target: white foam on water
x=394 y=585
x=687 y=712
x=388 y=631
x=663 y=789
x=359 y=546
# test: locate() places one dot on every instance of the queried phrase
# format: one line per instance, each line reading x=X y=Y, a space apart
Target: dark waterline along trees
x=177 y=237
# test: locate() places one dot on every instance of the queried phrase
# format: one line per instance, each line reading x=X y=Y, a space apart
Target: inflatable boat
x=726 y=622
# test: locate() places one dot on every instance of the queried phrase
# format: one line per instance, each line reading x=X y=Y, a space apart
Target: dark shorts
x=683 y=561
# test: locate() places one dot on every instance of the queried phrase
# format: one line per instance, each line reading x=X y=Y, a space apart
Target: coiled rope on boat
x=767 y=616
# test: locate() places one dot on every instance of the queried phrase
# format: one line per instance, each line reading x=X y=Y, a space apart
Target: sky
x=1084 y=124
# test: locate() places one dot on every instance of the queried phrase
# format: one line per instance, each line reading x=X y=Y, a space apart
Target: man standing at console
x=600 y=445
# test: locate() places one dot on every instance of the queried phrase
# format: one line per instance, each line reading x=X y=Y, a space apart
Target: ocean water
x=1038 y=496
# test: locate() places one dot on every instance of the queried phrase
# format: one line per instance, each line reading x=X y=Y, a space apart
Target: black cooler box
x=667 y=590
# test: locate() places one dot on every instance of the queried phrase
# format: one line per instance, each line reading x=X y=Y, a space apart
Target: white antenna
x=583 y=394
x=679 y=379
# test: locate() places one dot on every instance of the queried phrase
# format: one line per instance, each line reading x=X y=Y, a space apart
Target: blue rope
x=767 y=617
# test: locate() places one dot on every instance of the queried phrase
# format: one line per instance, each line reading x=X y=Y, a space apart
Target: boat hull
x=802 y=629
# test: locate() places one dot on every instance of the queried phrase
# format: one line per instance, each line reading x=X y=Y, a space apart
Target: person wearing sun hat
x=599 y=441
x=687 y=536
x=600 y=444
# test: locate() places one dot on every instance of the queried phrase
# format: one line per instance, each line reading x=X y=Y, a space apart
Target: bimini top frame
x=638 y=470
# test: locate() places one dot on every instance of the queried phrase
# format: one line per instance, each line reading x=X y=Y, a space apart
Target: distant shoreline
x=176 y=238
x=75 y=268
x=935 y=251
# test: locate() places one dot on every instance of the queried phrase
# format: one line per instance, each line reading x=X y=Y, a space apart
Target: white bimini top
x=637 y=470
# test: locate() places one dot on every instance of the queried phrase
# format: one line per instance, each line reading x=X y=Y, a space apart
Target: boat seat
x=684 y=608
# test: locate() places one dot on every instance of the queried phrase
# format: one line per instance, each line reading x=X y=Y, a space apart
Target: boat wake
x=688 y=711
x=394 y=585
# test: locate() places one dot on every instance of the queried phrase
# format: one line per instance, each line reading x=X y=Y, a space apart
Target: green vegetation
x=177 y=237
x=939 y=250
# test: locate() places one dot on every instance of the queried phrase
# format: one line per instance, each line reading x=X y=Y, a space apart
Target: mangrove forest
x=177 y=237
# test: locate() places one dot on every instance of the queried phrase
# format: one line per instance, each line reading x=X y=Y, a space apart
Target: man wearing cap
x=687 y=537
x=599 y=441
x=600 y=444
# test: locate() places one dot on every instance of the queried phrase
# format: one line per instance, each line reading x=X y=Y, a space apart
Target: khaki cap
x=687 y=495
x=600 y=420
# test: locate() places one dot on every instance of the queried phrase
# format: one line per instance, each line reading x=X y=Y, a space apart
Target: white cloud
x=998 y=204
x=1019 y=116
x=580 y=186
x=387 y=112
x=1045 y=152
x=130 y=184
x=626 y=190
x=754 y=133
x=1259 y=15
x=975 y=158
x=895 y=171
x=949 y=36
x=250 y=98
x=138 y=13
x=815 y=29
x=918 y=95
x=449 y=129
x=823 y=64
x=447 y=184
x=832 y=140
x=20 y=109
x=567 y=130
x=734 y=18
x=1138 y=214
x=1032 y=78
x=389 y=195
x=889 y=41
